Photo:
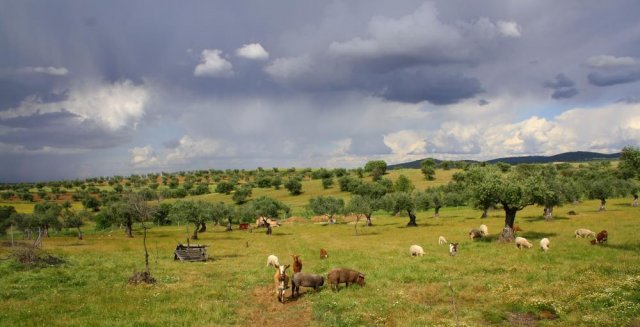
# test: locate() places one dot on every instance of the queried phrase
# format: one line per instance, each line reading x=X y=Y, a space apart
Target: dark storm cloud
x=562 y=86
x=61 y=130
x=426 y=85
x=613 y=78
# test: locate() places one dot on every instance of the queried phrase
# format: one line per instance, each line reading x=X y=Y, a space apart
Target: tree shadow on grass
x=627 y=247
x=281 y=234
x=537 y=218
x=489 y=239
x=533 y=235
x=366 y=234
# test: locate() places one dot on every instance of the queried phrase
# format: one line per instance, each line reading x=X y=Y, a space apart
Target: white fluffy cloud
x=605 y=61
x=143 y=156
x=114 y=106
x=253 y=51
x=54 y=71
x=213 y=64
x=405 y=142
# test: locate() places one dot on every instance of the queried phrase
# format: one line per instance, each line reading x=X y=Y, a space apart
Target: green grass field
x=575 y=283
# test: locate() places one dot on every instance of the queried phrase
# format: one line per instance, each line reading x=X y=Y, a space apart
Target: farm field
x=487 y=283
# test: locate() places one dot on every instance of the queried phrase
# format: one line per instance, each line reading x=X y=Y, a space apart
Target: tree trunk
x=484 y=213
x=548 y=213
x=128 y=229
x=509 y=219
x=436 y=214
x=228 y=226
x=146 y=253
x=46 y=231
x=412 y=219
x=369 y=223
x=602 y=204
x=195 y=233
x=355 y=227
x=635 y=201
x=11 y=235
x=203 y=228
x=79 y=234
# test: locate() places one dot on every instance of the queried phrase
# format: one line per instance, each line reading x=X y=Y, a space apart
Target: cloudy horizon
x=115 y=88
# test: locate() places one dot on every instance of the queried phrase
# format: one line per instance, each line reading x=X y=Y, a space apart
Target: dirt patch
x=295 y=219
x=320 y=219
x=263 y=309
x=525 y=319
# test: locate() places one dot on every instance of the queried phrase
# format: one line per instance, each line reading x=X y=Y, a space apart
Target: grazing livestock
x=583 y=232
x=323 y=254
x=281 y=281
x=484 y=230
x=416 y=250
x=517 y=228
x=266 y=222
x=475 y=233
x=306 y=280
x=453 y=248
x=442 y=240
x=272 y=260
x=523 y=242
x=544 y=244
x=600 y=238
x=343 y=275
x=297 y=263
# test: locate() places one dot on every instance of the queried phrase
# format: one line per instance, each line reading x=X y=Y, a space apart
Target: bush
x=294 y=186
x=224 y=187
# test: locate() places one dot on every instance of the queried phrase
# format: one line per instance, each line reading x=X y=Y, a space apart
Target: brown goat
x=297 y=263
x=323 y=254
x=601 y=237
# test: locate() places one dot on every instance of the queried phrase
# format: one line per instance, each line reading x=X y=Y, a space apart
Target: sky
x=102 y=88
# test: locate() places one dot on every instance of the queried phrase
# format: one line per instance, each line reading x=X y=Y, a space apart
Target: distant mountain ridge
x=575 y=156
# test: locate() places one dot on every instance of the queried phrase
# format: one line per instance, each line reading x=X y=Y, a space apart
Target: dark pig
x=343 y=275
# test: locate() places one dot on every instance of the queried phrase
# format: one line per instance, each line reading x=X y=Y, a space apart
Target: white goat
x=272 y=260
x=442 y=240
x=523 y=242
x=416 y=250
x=544 y=244
x=583 y=232
x=484 y=230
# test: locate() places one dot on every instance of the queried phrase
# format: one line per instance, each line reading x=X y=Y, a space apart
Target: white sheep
x=416 y=250
x=272 y=260
x=583 y=232
x=484 y=230
x=544 y=244
x=442 y=240
x=523 y=242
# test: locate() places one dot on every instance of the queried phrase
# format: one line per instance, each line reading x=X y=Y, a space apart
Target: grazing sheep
x=343 y=275
x=475 y=233
x=484 y=230
x=323 y=254
x=442 y=240
x=523 y=242
x=600 y=238
x=583 y=232
x=416 y=250
x=272 y=260
x=306 y=280
x=544 y=244
x=453 y=248
x=297 y=263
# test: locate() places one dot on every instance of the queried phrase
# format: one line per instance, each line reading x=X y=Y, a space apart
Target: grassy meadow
x=487 y=283
x=575 y=283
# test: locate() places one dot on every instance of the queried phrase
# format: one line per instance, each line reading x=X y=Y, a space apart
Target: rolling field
x=487 y=283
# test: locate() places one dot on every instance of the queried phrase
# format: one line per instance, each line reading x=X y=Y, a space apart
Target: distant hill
x=576 y=156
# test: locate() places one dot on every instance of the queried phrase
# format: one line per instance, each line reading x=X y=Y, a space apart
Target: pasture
x=487 y=283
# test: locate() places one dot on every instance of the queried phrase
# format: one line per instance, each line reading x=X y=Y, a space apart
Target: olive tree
x=195 y=212
x=427 y=167
x=514 y=191
x=326 y=205
x=360 y=206
x=397 y=202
